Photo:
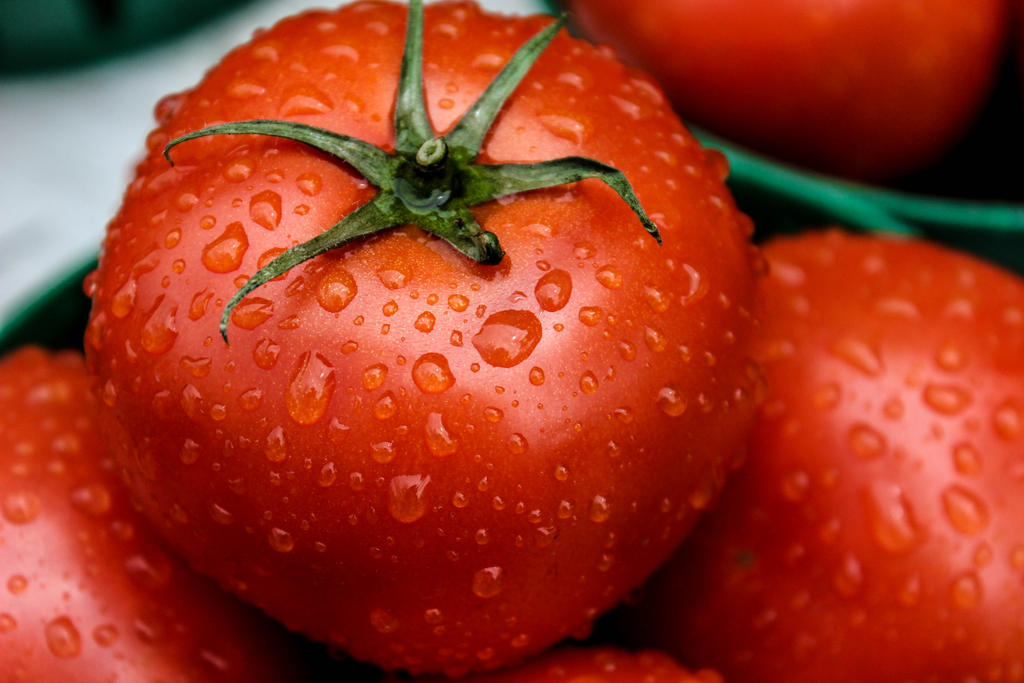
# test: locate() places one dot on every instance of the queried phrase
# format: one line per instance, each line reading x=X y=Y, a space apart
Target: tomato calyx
x=430 y=181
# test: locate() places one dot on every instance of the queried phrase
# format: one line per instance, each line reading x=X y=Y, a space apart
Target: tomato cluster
x=432 y=333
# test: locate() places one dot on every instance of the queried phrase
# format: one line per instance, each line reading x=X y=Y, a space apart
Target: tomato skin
x=91 y=594
x=598 y=665
x=874 y=533
x=870 y=89
x=432 y=464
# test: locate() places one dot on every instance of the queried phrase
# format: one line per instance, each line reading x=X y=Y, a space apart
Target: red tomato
x=598 y=665
x=872 y=89
x=90 y=593
x=434 y=464
x=875 y=532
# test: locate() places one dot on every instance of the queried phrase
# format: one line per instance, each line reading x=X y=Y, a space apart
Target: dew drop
x=1009 y=421
x=858 y=355
x=7 y=623
x=431 y=373
x=965 y=591
x=590 y=315
x=507 y=338
x=224 y=254
x=553 y=290
x=62 y=638
x=305 y=99
x=536 y=376
x=150 y=572
x=309 y=184
x=671 y=400
x=866 y=441
x=439 y=440
x=588 y=382
x=965 y=510
x=21 y=507
x=123 y=301
x=609 y=276
x=105 y=635
x=656 y=298
x=220 y=515
x=890 y=517
x=17 y=584
x=310 y=389
x=487 y=582
x=383 y=621
x=392 y=278
x=91 y=499
x=385 y=407
x=265 y=209
x=275 y=448
x=251 y=312
x=849 y=577
x=564 y=127
x=280 y=540
x=600 y=510
x=425 y=322
x=405 y=497
x=946 y=399
x=795 y=485
x=337 y=289
x=327 y=476
x=374 y=376
x=966 y=459
x=160 y=330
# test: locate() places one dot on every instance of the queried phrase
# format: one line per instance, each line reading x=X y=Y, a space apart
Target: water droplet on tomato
x=275 y=448
x=564 y=127
x=553 y=290
x=965 y=510
x=858 y=354
x=966 y=459
x=588 y=382
x=374 y=376
x=160 y=330
x=405 y=497
x=383 y=621
x=150 y=571
x=866 y=441
x=328 y=474
x=123 y=301
x=224 y=254
x=265 y=209
x=337 y=289
x=220 y=514
x=62 y=638
x=439 y=440
x=309 y=184
x=965 y=591
x=305 y=99
x=310 y=389
x=890 y=517
x=251 y=312
x=517 y=444
x=17 y=584
x=265 y=353
x=7 y=623
x=600 y=509
x=671 y=400
x=393 y=278
x=507 y=338
x=280 y=540
x=849 y=577
x=1009 y=421
x=21 y=507
x=946 y=399
x=609 y=276
x=425 y=322
x=488 y=582
x=432 y=374
x=91 y=499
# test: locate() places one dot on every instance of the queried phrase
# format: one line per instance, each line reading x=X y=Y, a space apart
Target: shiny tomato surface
x=433 y=464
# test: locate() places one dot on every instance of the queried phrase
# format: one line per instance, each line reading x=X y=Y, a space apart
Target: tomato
x=872 y=89
x=875 y=532
x=90 y=593
x=599 y=665
x=433 y=463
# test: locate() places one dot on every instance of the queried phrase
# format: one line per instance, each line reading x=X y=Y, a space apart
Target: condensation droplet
x=336 y=290
x=160 y=330
x=600 y=510
x=553 y=290
x=432 y=374
x=62 y=638
x=671 y=400
x=405 y=497
x=21 y=507
x=280 y=540
x=275 y=448
x=374 y=376
x=965 y=510
x=439 y=440
x=91 y=499
x=383 y=621
x=609 y=276
x=848 y=577
x=965 y=591
x=866 y=441
x=224 y=254
x=327 y=475
x=588 y=382
x=425 y=322
x=858 y=355
x=890 y=517
x=966 y=459
x=508 y=338
x=310 y=389
x=536 y=376
x=251 y=312
x=487 y=582
x=946 y=399
x=265 y=209
x=305 y=98
x=1008 y=420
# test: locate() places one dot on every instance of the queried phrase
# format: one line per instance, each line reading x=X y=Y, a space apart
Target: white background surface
x=69 y=140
